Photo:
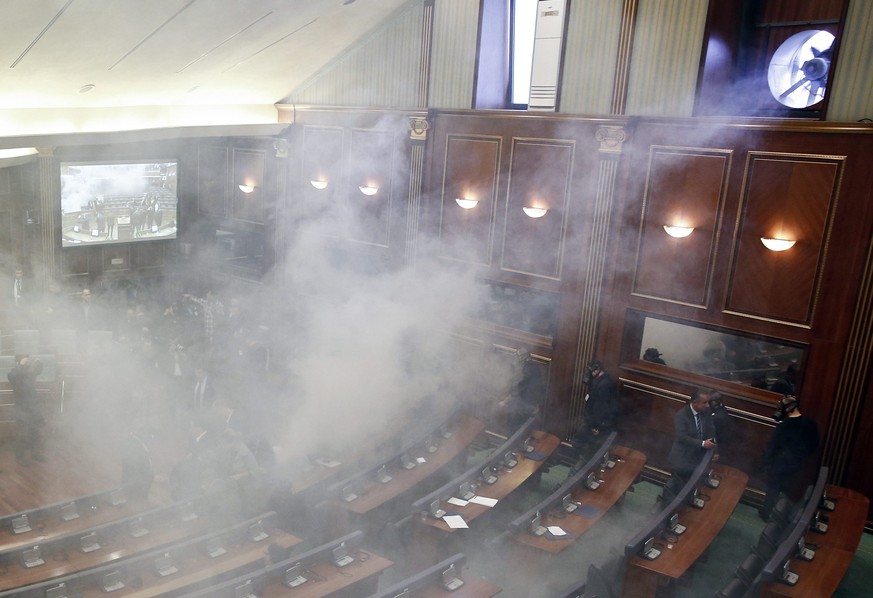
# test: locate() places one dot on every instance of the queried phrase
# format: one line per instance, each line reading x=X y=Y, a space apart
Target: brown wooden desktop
x=473 y=588
x=326 y=578
x=45 y=529
x=197 y=568
x=646 y=578
x=835 y=549
x=375 y=494
x=507 y=481
x=616 y=481
x=60 y=562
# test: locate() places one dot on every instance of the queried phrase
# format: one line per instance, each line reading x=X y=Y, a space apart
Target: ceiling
x=84 y=66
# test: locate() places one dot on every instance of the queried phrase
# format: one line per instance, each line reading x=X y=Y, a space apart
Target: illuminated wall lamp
x=246 y=188
x=369 y=190
x=318 y=184
x=777 y=244
x=535 y=212
x=467 y=204
x=678 y=232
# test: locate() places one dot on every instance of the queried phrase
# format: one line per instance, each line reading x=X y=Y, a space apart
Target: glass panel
x=753 y=361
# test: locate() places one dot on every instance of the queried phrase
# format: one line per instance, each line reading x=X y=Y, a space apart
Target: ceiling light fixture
x=467 y=204
x=246 y=188
x=318 y=184
x=777 y=244
x=369 y=190
x=678 y=232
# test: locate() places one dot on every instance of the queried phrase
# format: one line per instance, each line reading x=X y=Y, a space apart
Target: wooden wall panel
x=371 y=163
x=249 y=169
x=471 y=172
x=539 y=176
x=684 y=187
x=322 y=160
x=212 y=181
x=116 y=258
x=786 y=196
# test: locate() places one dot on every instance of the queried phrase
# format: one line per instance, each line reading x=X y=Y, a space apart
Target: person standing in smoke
x=28 y=416
x=524 y=397
x=694 y=435
x=601 y=409
x=795 y=439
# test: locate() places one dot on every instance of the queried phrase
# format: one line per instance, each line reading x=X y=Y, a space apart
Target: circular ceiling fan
x=798 y=72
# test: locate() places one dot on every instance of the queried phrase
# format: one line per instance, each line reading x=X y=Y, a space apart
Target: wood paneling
x=787 y=196
x=371 y=163
x=684 y=187
x=212 y=181
x=540 y=172
x=116 y=258
x=471 y=172
x=248 y=169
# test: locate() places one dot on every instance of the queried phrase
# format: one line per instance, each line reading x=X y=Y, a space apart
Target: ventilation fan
x=798 y=71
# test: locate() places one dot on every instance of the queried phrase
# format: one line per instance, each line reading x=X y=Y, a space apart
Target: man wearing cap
x=653 y=355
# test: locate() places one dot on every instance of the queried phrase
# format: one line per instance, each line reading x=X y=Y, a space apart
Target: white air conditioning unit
x=548 y=43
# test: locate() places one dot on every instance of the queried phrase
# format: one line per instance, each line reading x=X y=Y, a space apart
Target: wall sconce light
x=534 y=211
x=466 y=203
x=777 y=244
x=318 y=184
x=369 y=190
x=246 y=187
x=678 y=232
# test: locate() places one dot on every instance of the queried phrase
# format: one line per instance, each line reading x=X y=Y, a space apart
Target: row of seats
x=65 y=342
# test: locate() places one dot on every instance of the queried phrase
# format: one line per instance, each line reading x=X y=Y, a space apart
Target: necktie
x=699 y=427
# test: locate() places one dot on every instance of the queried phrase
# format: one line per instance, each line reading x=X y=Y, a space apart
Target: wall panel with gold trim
x=685 y=188
x=789 y=197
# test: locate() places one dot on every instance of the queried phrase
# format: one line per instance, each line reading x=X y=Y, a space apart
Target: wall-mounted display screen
x=118 y=202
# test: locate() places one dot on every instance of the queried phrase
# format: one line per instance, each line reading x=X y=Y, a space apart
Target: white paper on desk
x=455 y=522
x=485 y=501
x=457 y=502
x=421 y=460
x=556 y=530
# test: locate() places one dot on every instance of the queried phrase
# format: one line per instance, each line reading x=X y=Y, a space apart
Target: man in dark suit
x=694 y=435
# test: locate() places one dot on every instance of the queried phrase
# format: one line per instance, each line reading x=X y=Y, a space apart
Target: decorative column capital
x=610 y=139
x=418 y=127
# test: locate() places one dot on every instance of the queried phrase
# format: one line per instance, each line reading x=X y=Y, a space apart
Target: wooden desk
x=62 y=556
x=326 y=578
x=836 y=549
x=374 y=494
x=473 y=588
x=47 y=528
x=196 y=569
x=644 y=577
x=507 y=481
x=616 y=481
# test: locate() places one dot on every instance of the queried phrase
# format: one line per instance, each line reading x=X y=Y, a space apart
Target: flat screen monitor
x=118 y=201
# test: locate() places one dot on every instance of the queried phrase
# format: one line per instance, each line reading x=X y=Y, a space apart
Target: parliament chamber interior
x=341 y=315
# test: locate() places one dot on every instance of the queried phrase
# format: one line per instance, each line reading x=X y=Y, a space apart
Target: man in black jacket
x=601 y=409
x=30 y=420
x=795 y=439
